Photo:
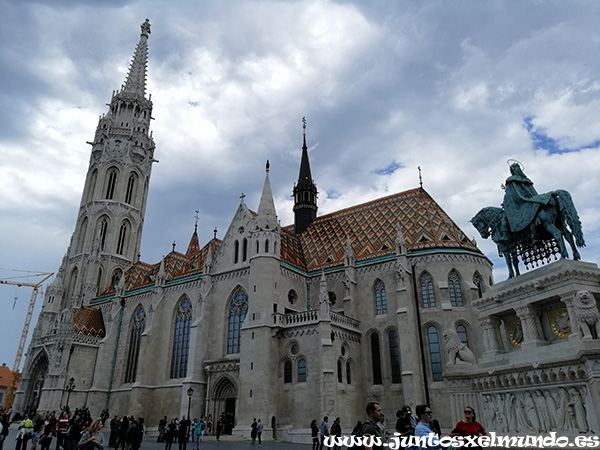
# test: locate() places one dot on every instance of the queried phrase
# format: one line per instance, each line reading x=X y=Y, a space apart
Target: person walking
x=197 y=426
x=259 y=431
x=324 y=430
x=92 y=439
x=429 y=440
x=336 y=430
x=253 y=431
x=371 y=427
x=314 y=432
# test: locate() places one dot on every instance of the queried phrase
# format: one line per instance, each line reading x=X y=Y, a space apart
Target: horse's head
x=481 y=224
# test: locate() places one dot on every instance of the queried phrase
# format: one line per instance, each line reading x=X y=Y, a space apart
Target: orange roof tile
x=88 y=321
x=372 y=229
x=5 y=377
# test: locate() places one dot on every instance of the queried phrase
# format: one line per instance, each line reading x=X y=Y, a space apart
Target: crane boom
x=8 y=397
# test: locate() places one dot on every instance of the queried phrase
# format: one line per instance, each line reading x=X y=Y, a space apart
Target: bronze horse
x=555 y=221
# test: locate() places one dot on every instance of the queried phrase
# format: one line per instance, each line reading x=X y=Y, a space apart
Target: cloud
x=386 y=87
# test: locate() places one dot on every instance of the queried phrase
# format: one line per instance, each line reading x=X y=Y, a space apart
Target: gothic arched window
x=302 y=372
x=477 y=281
x=287 y=372
x=427 y=292
x=376 y=359
x=435 y=354
x=456 y=297
x=123 y=237
x=131 y=185
x=380 y=297
x=339 y=371
x=181 y=339
x=92 y=185
x=103 y=233
x=138 y=324
x=395 y=356
x=245 y=249
x=236 y=251
x=111 y=184
x=237 y=314
x=348 y=372
x=461 y=330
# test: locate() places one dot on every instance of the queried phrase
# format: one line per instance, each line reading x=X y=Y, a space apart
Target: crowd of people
x=78 y=431
x=421 y=425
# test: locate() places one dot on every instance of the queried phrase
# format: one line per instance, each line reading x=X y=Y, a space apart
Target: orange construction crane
x=8 y=398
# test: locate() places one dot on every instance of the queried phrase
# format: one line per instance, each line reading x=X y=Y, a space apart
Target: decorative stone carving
x=562 y=409
x=586 y=315
x=515 y=333
x=457 y=351
x=560 y=323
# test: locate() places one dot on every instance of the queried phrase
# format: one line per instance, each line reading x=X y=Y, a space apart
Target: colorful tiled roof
x=177 y=265
x=372 y=229
x=5 y=376
x=88 y=322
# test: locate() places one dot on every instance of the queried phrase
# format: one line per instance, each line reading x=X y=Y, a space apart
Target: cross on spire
x=196 y=217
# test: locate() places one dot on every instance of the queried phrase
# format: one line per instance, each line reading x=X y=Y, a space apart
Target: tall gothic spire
x=136 y=77
x=267 y=214
x=305 y=191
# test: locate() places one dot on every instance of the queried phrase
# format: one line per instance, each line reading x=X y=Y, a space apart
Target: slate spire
x=305 y=191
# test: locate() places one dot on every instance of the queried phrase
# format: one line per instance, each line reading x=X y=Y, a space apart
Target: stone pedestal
x=537 y=374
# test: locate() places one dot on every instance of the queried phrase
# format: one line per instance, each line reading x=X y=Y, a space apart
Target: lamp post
x=69 y=389
x=190 y=392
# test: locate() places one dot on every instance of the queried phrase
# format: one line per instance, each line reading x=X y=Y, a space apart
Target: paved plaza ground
x=208 y=443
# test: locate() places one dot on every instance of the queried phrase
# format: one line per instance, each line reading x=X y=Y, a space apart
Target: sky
x=455 y=88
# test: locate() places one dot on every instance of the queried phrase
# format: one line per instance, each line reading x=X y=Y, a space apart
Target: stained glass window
x=237 y=314
x=456 y=297
x=380 y=297
x=138 y=324
x=427 y=290
x=395 y=356
x=181 y=339
x=435 y=354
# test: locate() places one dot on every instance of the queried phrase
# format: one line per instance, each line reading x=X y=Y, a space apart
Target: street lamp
x=190 y=392
x=69 y=389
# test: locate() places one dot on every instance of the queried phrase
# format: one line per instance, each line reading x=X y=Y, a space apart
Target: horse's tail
x=565 y=203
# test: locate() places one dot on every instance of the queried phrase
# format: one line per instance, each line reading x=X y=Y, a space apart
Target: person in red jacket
x=468 y=426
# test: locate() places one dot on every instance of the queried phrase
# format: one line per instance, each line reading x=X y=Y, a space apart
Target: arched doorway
x=33 y=393
x=224 y=402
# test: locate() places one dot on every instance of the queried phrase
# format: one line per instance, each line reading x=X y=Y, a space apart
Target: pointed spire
x=304 y=178
x=266 y=207
x=194 y=246
x=136 y=77
x=305 y=191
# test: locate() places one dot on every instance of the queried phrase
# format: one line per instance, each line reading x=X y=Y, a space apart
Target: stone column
x=532 y=328
x=490 y=326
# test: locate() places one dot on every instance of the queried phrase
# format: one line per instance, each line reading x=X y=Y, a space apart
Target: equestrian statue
x=529 y=225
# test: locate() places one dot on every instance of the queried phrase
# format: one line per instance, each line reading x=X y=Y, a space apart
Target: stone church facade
x=286 y=324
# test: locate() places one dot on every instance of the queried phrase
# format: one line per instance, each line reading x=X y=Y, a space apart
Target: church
x=282 y=323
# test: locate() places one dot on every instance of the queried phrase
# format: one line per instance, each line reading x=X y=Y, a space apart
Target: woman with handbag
x=92 y=439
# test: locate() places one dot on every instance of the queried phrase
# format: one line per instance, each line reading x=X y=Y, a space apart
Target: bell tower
x=108 y=232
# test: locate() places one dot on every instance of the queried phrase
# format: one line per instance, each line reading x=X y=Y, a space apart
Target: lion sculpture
x=586 y=315
x=457 y=351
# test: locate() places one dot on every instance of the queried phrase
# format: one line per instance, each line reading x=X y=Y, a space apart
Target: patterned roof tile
x=371 y=228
